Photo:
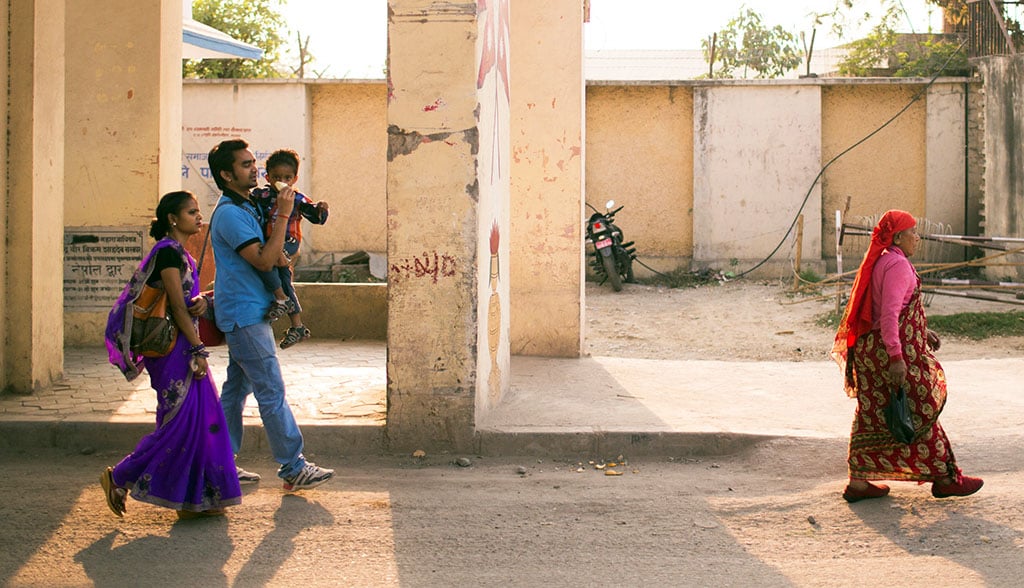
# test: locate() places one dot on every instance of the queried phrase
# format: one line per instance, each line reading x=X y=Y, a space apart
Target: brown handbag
x=153 y=332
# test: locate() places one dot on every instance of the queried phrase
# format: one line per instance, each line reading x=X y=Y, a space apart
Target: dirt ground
x=745 y=320
x=769 y=516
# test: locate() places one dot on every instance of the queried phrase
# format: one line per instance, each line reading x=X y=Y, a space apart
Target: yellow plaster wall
x=33 y=328
x=348 y=163
x=887 y=171
x=122 y=131
x=342 y=311
x=640 y=153
x=5 y=200
x=433 y=221
x=547 y=178
x=122 y=121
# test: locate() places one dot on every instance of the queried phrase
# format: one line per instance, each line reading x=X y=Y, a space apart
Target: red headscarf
x=857 y=317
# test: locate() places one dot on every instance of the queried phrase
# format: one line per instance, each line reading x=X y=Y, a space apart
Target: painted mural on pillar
x=493 y=90
x=494 y=58
x=494 y=315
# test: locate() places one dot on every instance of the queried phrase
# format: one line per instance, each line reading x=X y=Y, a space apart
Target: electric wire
x=807 y=196
x=637 y=259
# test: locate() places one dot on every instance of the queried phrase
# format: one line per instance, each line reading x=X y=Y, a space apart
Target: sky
x=348 y=38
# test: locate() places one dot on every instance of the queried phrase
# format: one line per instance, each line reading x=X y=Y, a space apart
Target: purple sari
x=187 y=462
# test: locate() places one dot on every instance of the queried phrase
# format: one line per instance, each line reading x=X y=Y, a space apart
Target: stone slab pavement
x=589 y=405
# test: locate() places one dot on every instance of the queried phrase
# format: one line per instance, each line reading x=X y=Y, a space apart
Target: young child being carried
x=283 y=166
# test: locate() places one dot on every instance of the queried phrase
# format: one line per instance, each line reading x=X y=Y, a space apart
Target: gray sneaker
x=310 y=476
x=246 y=477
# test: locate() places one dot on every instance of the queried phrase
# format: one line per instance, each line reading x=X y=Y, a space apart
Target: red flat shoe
x=963 y=486
x=872 y=491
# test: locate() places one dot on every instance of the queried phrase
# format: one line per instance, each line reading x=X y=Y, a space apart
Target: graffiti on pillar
x=494 y=61
x=430 y=265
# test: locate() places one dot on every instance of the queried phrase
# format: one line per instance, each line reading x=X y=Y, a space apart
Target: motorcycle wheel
x=611 y=271
x=624 y=264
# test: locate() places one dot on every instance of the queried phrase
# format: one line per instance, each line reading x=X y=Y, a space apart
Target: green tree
x=253 y=21
x=747 y=44
x=933 y=56
x=868 y=54
x=885 y=52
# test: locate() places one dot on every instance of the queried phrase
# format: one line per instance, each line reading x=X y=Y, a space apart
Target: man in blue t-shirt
x=241 y=303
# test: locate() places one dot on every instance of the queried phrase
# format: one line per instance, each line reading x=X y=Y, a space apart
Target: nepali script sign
x=98 y=262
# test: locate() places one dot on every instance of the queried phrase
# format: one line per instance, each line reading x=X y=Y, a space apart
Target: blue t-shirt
x=241 y=299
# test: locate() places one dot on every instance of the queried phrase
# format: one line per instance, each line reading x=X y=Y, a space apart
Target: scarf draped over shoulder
x=119 y=323
x=857 y=318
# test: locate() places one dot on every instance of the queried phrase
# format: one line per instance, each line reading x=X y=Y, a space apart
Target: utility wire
x=807 y=196
x=910 y=23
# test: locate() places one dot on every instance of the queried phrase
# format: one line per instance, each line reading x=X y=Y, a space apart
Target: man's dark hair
x=283 y=157
x=222 y=158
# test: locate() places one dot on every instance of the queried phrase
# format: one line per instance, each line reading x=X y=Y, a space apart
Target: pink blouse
x=893 y=281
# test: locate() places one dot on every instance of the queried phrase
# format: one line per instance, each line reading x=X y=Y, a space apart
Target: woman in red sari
x=883 y=343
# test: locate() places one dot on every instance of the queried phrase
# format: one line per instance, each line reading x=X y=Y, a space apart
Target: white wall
x=945 y=156
x=756 y=151
x=269 y=116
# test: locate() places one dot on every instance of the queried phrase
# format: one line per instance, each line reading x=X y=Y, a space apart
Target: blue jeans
x=253 y=368
x=281 y=277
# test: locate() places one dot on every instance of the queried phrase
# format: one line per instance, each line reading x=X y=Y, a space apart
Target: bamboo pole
x=799 y=250
x=973 y=296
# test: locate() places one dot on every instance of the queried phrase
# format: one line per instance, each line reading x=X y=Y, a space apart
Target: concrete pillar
x=547 y=178
x=945 y=157
x=123 y=148
x=5 y=59
x=447 y=214
x=31 y=298
x=123 y=108
x=1002 y=212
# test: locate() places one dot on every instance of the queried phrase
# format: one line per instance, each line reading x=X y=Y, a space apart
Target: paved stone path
x=335 y=382
x=594 y=405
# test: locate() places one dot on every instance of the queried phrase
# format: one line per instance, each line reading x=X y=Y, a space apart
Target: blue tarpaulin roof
x=205 y=42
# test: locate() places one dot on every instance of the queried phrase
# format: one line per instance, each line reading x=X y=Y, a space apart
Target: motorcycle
x=612 y=258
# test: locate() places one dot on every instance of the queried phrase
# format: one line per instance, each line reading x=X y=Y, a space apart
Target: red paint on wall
x=434 y=106
x=432 y=265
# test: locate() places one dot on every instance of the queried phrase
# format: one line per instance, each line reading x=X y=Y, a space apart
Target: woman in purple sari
x=185 y=464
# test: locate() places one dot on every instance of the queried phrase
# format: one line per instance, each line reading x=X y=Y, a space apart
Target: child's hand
x=284 y=260
x=322 y=206
x=285 y=201
x=198 y=307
